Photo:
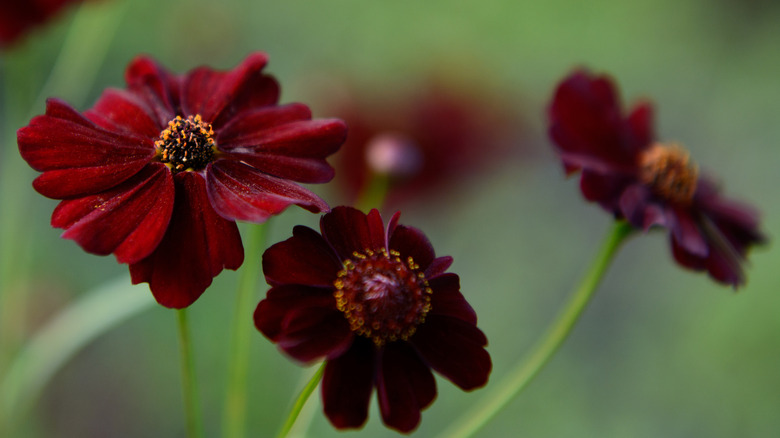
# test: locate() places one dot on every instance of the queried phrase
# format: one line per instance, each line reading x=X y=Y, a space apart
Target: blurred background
x=659 y=352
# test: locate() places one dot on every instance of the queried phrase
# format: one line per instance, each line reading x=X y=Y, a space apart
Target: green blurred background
x=660 y=351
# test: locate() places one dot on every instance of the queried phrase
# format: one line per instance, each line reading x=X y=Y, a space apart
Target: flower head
x=376 y=303
x=647 y=182
x=18 y=16
x=423 y=141
x=157 y=174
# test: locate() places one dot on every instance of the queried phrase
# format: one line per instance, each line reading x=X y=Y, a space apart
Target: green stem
x=519 y=377
x=189 y=386
x=60 y=339
x=234 y=415
x=301 y=401
x=374 y=193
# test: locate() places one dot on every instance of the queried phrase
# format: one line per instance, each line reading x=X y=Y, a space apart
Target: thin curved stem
x=301 y=401
x=189 y=384
x=234 y=415
x=526 y=370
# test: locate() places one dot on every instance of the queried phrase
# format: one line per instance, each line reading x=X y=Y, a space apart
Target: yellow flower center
x=186 y=144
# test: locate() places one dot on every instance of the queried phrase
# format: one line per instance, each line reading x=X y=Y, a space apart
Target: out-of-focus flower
x=376 y=303
x=157 y=174
x=425 y=141
x=647 y=182
x=18 y=16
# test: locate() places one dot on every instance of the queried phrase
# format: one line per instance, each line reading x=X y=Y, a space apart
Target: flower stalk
x=189 y=384
x=303 y=397
x=525 y=371
x=234 y=415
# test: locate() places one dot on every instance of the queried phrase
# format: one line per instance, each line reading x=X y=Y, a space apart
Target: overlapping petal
x=196 y=247
x=347 y=384
x=405 y=386
x=129 y=220
x=455 y=349
x=82 y=158
x=207 y=92
x=156 y=86
x=240 y=192
x=348 y=231
x=295 y=150
x=587 y=124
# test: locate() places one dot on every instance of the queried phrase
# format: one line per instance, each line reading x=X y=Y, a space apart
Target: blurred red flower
x=376 y=303
x=647 y=182
x=157 y=174
x=17 y=17
x=425 y=141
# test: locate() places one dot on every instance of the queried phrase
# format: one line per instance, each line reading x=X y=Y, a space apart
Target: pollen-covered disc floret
x=383 y=297
x=669 y=172
x=186 y=144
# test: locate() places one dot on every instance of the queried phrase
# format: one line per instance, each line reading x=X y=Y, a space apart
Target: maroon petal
x=199 y=243
x=234 y=133
x=738 y=222
x=588 y=127
x=347 y=383
x=686 y=230
x=77 y=157
x=639 y=208
x=376 y=228
x=347 y=230
x=311 y=333
x=684 y=257
x=603 y=188
x=305 y=258
x=447 y=300
x=411 y=242
x=404 y=385
x=155 y=86
x=722 y=263
x=640 y=124
x=295 y=151
x=724 y=267
x=122 y=111
x=240 y=192
x=438 y=266
x=207 y=92
x=281 y=300
x=129 y=220
x=455 y=349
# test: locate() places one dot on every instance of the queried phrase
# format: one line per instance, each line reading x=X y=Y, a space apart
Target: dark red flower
x=647 y=182
x=19 y=16
x=425 y=141
x=157 y=174
x=377 y=304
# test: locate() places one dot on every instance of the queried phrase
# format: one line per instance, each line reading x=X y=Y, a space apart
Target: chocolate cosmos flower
x=647 y=182
x=377 y=304
x=158 y=173
x=426 y=142
x=18 y=16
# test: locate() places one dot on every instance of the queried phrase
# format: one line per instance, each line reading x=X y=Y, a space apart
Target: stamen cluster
x=186 y=144
x=669 y=172
x=383 y=297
